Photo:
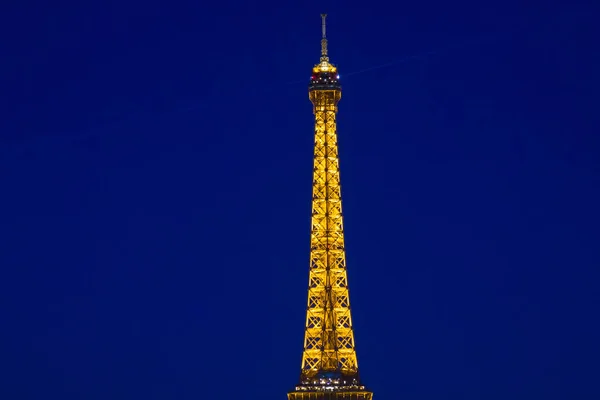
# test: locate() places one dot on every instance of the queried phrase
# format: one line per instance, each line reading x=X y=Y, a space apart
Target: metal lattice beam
x=329 y=339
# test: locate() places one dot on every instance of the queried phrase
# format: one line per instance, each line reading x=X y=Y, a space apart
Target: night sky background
x=156 y=167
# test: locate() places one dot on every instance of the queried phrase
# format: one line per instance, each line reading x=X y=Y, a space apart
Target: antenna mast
x=323 y=39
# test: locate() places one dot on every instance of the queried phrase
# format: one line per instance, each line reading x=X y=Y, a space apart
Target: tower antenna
x=323 y=39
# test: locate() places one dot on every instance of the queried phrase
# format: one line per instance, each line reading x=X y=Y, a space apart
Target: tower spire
x=324 y=57
x=329 y=368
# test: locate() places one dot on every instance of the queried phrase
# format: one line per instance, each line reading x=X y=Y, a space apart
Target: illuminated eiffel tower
x=329 y=365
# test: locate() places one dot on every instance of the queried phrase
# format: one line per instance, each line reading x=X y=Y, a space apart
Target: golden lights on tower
x=329 y=364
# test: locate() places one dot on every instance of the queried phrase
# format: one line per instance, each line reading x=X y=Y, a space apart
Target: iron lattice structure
x=329 y=363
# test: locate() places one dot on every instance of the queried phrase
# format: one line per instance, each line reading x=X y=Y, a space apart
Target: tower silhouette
x=329 y=364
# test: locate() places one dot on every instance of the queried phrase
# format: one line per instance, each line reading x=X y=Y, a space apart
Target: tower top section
x=324 y=65
x=324 y=74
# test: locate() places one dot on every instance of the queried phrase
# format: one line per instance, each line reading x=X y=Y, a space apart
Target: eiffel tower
x=329 y=364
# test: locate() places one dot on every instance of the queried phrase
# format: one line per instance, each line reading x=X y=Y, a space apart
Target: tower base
x=333 y=395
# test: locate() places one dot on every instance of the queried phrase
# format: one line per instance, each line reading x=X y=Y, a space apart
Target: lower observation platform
x=330 y=386
x=330 y=395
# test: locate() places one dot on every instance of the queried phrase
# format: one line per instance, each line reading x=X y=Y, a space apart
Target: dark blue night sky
x=155 y=172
